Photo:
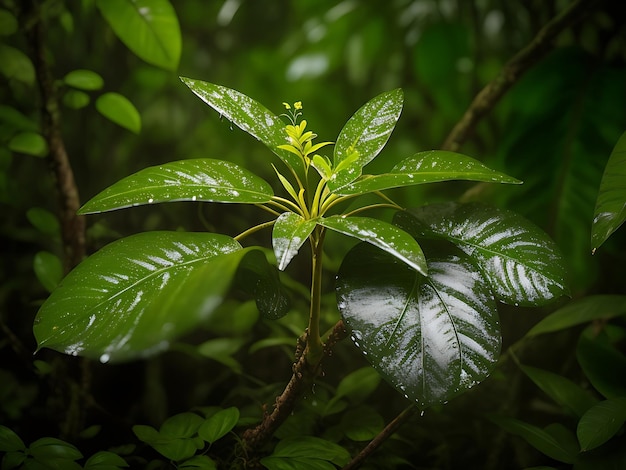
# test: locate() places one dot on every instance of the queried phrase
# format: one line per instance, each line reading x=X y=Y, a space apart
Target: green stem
x=256 y=228
x=372 y=206
x=315 y=348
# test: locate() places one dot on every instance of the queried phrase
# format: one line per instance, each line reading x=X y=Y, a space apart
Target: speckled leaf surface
x=610 y=210
x=522 y=264
x=289 y=234
x=135 y=295
x=247 y=114
x=431 y=338
x=200 y=179
x=428 y=167
x=364 y=136
x=383 y=235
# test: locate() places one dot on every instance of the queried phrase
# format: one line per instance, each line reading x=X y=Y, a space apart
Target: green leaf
x=218 y=425
x=16 y=120
x=562 y=390
x=199 y=461
x=52 y=448
x=30 y=143
x=364 y=136
x=172 y=447
x=76 y=99
x=522 y=264
x=260 y=279
x=9 y=441
x=601 y=422
x=221 y=349
x=358 y=385
x=431 y=338
x=604 y=366
x=15 y=65
x=200 y=179
x=381 y=234
x=48 y=269
x=306 y=453
x=289 y=234
x=362 y=423
x=247 y=114
x=8 y=23
x=428 y=167
x=181 y=425
x=120 y=110
x=44 y=221
x=610 y=210
x=540 y=439
x=84 y=80
x=131 y=298
x=587 y=309
x=149 y=28
x=105 y=460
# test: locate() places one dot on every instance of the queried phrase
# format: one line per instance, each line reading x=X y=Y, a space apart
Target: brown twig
x=380 y=438
x=72 y=225
x=487 y=98
x=303 y=374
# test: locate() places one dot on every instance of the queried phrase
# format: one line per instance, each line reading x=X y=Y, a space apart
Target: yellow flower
x=286 y=105
x=297 y=105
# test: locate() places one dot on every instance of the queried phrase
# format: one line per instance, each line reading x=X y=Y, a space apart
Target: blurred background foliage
x=554 y=130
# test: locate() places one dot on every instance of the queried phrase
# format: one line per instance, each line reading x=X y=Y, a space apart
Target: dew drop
x=150 y=201
x=193 y=198
x=422 y=413
x=105 y=358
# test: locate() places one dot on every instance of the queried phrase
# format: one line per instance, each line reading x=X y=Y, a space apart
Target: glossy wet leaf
x=118 y=109
x=48 y=269
x=260 y=280
x=539 y=438
x=562 y=390
x=135 y=295
x=149 y=28
x=200 y=179
x=219 y=424
x=84 y=80
x=289 y=234
x=363 y=137
x=428 y=167
x=601 y=422
x=105 y=460
x=382 y=235
x=247 y=114
x=522 y=264
x=53 y=448
x=431 y=338
x=610 y=210
x=586 y=309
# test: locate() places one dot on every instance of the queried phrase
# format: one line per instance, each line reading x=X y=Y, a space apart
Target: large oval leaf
x=610 y=211
x=364 y=136
x=428 y=167
x=382 y=235
x=289 y=233
x=120 y=110
x=186 y=180
x=135 y=295
x=431 y=338
x=601 y=423
x=247 y=114
x=522 y=264
x=149 y=28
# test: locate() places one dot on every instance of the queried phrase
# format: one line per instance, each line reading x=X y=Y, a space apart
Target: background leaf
x=16 y=65
x=84 y=80
x=593 y=307
x=247 y=114
x=219 y=424
x=48 y=269
x=135 y=295
x=120 y=110
x=30 y=143
x=603 y=364
x=428 y=167
x=601 y=422
x=382 y=235
x=523 y=265
x=149 y=28
x=185 y=180
x=431 y=338
x=610 y=211
x=366 y=133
